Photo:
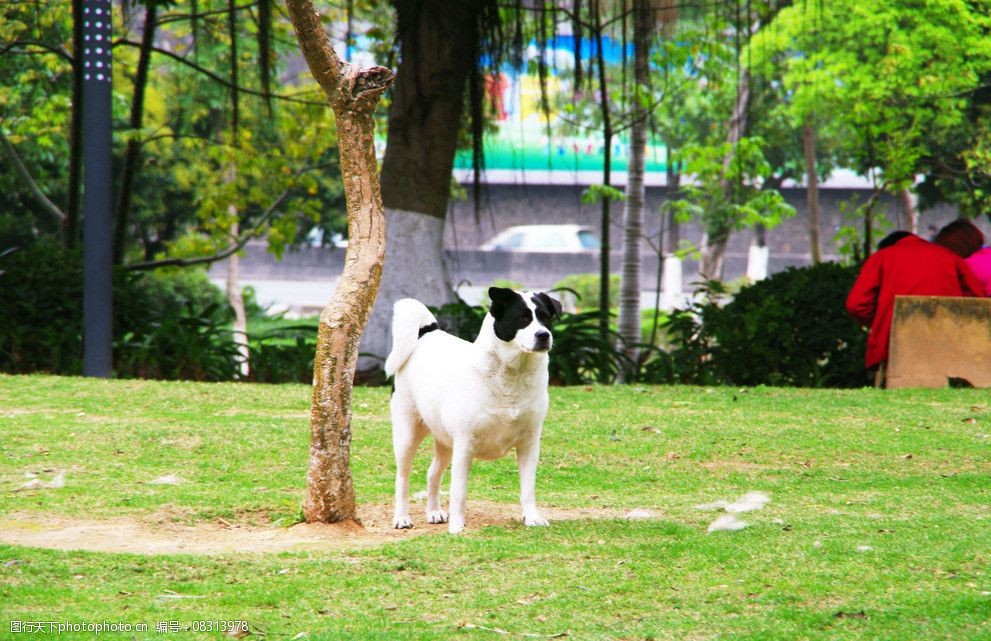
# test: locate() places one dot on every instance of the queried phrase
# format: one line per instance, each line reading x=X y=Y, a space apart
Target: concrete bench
x=938 y=341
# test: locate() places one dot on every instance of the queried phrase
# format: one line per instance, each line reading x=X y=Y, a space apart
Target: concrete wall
x=508 y=205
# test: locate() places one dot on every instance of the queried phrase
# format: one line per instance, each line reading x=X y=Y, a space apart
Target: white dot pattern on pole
x=97 y=23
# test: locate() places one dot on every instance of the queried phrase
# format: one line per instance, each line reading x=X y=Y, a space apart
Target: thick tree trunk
x=812 y=188
x=439 y=44
x=629 y=296
x=714 y=240
x=353 y=94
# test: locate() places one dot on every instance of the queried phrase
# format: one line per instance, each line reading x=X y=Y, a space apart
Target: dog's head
x=523 y=318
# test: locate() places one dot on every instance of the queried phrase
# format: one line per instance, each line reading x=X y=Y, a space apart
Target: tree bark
x=74 y=202
x=353 y=94
x=132 y=154
x=439 y=42
x=607 y=134
x=629 y=296
x=908 y=204
x=812 y=188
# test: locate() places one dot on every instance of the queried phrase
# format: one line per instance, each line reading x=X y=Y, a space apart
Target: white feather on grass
x=726 y=523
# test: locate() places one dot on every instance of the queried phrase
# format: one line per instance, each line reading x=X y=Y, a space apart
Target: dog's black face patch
x=510 y=312
x=547 y=309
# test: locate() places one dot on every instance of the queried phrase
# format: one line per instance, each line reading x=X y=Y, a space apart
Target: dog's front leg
x=527 y=455
x=460 y=466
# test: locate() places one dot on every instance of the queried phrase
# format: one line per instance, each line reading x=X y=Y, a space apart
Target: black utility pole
x=97 y=190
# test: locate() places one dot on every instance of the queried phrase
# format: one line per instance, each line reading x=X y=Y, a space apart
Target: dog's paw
x=436 y=516
x=535 y=520
x=455 y=526
x=402 y=522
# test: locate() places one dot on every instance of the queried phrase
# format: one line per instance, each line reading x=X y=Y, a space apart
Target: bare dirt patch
x=153 y=534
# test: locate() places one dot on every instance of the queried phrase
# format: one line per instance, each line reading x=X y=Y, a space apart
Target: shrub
x=41 y=290
x=789 y=329
x=170 y=326
x=284 y=354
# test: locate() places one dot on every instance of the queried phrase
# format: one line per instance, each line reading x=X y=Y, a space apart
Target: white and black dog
x=478 y=400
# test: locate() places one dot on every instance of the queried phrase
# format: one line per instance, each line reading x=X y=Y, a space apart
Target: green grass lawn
x=879 y=525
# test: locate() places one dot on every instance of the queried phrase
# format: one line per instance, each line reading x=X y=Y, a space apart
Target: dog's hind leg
x=407 y=434
x=442 y=458
x=527 y=455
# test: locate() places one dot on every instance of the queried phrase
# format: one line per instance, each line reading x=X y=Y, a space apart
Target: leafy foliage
x=165 y=326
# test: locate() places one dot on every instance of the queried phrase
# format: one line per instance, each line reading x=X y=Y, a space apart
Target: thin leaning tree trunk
x=812 y=188
x=353 y=94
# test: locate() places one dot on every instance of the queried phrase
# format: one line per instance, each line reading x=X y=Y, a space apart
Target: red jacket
x=910 y=267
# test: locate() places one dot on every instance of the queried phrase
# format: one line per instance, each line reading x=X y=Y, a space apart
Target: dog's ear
x=551 y=305
x=500 y=297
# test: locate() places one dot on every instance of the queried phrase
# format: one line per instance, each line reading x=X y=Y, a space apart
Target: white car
x=545 y=238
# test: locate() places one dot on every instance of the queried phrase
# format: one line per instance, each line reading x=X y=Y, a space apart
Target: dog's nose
x=542 y=338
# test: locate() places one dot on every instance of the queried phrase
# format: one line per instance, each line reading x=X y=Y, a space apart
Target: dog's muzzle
x=542 y=341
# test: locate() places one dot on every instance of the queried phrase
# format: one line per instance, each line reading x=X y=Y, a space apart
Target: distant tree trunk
x=714 y=239
x=234 y=295
x=132 y=153
x=672 y=270
x=353 y=94
x=439 y=44
x=605 y=220
x=907 y=201
x=71 y=232
x=629 y=296
x=811 y=188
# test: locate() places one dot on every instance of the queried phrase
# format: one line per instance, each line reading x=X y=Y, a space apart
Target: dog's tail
x=409 y=319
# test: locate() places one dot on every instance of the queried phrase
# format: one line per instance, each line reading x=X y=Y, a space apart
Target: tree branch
x=255 y=232
x=219 y=79
x=25 y=177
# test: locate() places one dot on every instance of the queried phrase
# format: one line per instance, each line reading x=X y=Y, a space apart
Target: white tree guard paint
x=671 y=294
x=757 y=263
x=414 y=268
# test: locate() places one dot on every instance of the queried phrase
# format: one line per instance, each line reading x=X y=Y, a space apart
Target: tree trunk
x=714 y=240
x=236 y=299
x=811 y=188
x=132 y=154
x=71 y=233
x=629 y=296
x=234 y=295
x=607 y=134
x=672 y=270
x=908 y=204
x=439 y=44
x=353 y=94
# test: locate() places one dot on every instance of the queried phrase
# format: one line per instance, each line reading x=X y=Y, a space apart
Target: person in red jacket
x=909 y=267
